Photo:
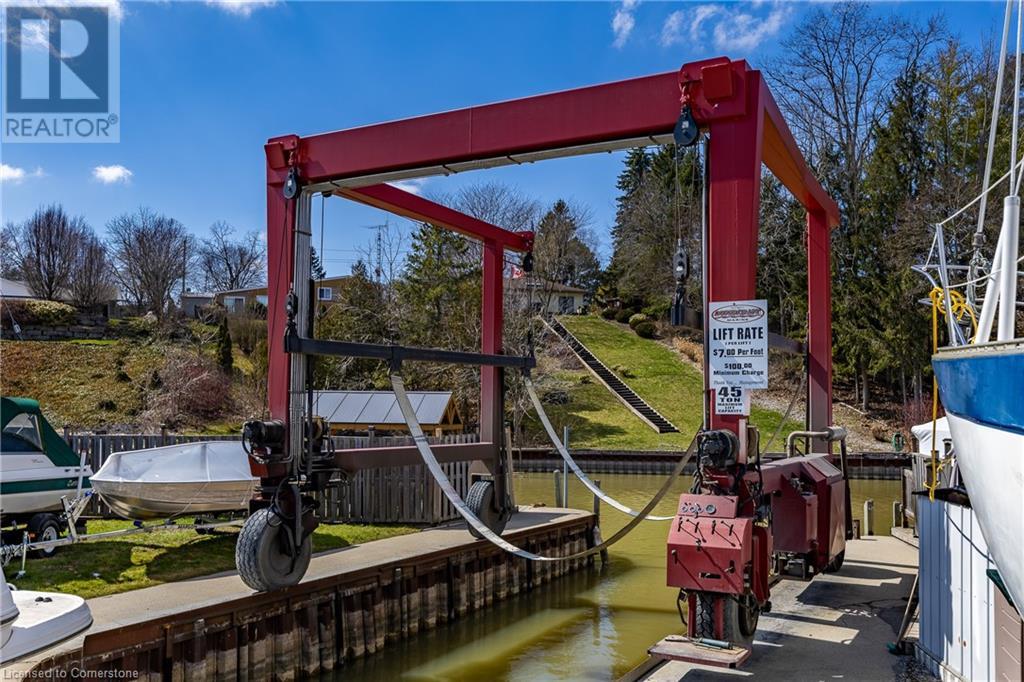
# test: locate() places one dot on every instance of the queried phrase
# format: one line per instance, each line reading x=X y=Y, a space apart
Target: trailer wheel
x=739 y=617
x=261 y=554
x=44 y=528
x=480 y=501
x=836 y=563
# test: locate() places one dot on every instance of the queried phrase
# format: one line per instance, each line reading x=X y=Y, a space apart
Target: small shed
x=360 y=411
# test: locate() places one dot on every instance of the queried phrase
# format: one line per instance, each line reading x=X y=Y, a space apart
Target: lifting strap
x=409 y=414
x=560 y=446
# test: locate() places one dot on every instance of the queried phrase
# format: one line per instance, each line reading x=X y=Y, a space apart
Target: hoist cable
x=564 y=452
x=409 y=414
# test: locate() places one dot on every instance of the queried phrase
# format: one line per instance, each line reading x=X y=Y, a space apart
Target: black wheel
x=836 y=563
x=44 y=528
x=739 y=617
x=262 y=557
x=481 y=502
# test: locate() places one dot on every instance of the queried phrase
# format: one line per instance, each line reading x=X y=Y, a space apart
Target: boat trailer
x=749 y=519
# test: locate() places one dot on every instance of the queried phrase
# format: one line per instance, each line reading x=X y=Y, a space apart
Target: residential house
x=192 y=302
x=327 y=290
x=550 y=297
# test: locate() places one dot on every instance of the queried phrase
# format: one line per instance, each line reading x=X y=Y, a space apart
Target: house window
x=262 y=298
x=324 y=294
x=566 y=304
x=235 y=304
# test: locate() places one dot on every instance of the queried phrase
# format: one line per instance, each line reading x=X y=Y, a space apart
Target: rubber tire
x=836 y=564
x=738 y=624
x=261 y=563
x=43 y=528
x=480 y=501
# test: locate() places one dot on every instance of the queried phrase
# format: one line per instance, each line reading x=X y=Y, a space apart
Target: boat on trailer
x=37 y=469
x=175 y=480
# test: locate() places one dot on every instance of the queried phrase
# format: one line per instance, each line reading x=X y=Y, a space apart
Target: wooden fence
x=387 y=495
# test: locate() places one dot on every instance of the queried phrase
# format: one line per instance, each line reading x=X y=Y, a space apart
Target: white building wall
x=957 y=633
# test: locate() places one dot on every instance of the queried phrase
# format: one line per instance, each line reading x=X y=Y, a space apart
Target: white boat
x=190 y=478
x=30 y=621
x=37 y=467
x=981 y=379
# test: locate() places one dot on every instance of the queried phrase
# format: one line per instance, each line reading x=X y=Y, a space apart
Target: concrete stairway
x=607 y=377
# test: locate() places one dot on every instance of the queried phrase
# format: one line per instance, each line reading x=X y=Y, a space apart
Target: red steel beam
x=727 y=98
x=414 y=207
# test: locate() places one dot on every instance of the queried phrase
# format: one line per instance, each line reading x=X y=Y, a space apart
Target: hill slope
x=670 y=385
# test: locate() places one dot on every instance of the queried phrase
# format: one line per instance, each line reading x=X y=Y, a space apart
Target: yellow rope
x=959 y=307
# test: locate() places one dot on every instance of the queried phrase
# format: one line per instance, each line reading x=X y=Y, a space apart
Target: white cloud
x=16 y=175
x=623 y=22
x=733 y=27
x=242 y=8
x=744 y=31
x=109 y=175
x=413 y=186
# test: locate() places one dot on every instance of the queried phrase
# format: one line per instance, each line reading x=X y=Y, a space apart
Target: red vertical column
x=734 y=200
x=280 y=263
x=819 y=325
x=491 y=318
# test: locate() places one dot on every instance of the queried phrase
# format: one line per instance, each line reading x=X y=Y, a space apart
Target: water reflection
x=594 y=625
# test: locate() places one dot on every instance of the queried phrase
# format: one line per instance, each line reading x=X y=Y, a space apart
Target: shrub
x=132 y=327
x=634 y=320
x=623 y=371
x=555 y=396
x=624 y=315
x=609 y=313
x=194 y=390
x=658 y=310
x=247 y=332
x=41 y=313
x=691 y=350
x=646 y=330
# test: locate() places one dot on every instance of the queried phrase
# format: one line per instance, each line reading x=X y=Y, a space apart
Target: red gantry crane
x=747 y=521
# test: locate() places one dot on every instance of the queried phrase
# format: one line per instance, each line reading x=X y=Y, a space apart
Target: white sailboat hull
x=991 y=461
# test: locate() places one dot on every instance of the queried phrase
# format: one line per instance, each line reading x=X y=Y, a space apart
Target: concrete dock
x=352 y=602
x=835 y=627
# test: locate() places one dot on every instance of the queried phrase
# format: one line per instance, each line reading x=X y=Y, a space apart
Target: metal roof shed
x=362 y=410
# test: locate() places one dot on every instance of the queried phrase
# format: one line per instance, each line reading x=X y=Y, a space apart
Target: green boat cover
x=54 y=447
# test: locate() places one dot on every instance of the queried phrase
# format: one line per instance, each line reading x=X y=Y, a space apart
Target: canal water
x=595 y=625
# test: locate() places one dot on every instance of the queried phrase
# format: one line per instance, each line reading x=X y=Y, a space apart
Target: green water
x=595 y=625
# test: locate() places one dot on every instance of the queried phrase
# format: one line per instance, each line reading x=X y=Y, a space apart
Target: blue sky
x=204 y=84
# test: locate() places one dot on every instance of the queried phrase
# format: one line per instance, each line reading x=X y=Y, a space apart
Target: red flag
x=517 y=273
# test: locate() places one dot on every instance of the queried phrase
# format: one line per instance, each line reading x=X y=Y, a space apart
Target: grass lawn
x=94 y=569
x=658 y=375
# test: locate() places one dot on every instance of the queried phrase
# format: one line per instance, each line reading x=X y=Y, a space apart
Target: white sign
x=738 y=344
x=732 y=400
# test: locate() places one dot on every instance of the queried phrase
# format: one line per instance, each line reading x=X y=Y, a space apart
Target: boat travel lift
x=747 y=521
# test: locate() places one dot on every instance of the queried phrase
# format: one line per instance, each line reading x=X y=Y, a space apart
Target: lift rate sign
x=739 y=344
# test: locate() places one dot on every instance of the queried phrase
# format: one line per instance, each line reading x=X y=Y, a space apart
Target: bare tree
x=43 y=250
x=150 y=254
x=91 y=281
x=228 y=263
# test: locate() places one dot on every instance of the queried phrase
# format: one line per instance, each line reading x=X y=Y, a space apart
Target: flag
x=517 y=272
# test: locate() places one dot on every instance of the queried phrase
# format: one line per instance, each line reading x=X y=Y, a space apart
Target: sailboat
x=981 y=379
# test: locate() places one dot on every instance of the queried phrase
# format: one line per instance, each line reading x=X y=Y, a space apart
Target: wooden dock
x=353 y=602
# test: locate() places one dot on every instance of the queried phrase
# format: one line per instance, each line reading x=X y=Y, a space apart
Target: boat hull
x=35 y=485
x=982 y=390
x=32 y=621
x=192 y=478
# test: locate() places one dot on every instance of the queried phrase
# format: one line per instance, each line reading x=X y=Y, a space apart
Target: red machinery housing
x=723 y=558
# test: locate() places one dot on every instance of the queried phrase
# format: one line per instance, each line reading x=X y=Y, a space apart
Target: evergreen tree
x=224 y=356
x=316 y=268
x=561 y=248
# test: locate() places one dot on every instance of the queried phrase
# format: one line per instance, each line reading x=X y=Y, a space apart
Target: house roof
x=379 y=407
x=11 y=288
x=543 y=285
x=251 y=290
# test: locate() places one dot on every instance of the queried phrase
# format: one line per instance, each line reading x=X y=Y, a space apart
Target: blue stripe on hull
x=985 y=386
